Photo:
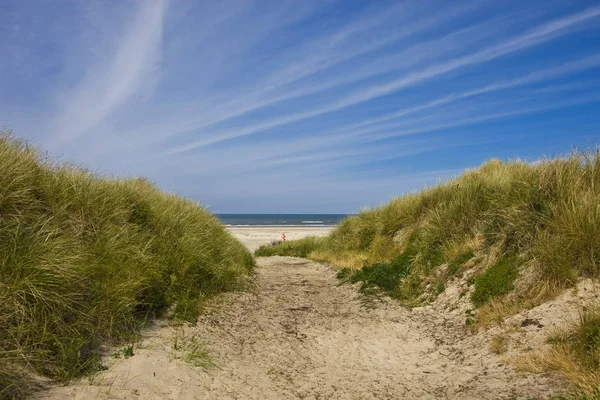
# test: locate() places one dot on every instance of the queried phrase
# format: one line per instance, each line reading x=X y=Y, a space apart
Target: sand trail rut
x=299 y=334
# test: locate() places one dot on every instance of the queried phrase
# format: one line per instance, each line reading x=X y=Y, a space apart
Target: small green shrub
x=430 y=258
x=387 y=277
x=344 y=274
x=496 y=280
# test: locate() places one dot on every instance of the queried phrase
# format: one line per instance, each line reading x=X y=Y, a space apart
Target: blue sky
x=299 y=106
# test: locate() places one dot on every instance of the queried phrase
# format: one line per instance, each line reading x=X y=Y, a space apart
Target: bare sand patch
x=299 y=334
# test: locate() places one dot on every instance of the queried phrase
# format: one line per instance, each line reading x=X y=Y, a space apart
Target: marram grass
x=86 y=261
x=544 y=214
x=522 y=231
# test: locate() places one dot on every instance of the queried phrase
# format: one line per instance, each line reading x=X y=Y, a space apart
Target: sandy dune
x=299 y=334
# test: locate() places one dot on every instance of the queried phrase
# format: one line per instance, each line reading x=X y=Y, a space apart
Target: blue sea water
x=280 y=219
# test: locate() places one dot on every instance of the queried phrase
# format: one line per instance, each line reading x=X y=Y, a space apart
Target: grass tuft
x=584 y=341
x=499 y=344
x=459 y=261
x=86 y=261
x=575 y=353
x=191 y=350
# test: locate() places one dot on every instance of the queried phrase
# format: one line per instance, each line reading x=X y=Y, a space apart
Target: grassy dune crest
x=514 y=226
x=86 y=261
x=515 y=232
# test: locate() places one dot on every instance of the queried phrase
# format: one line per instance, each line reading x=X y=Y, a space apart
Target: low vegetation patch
x=292 y=248
x=518 y=232
x=456 y=263
x=387 y=277
x=86 y=261
x=499 y=344
x=496 y=280
x=190 y=349
x=583 y=342
x=544 y=215
x=575 y=353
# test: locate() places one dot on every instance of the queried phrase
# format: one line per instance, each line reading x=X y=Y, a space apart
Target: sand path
x=299 y=334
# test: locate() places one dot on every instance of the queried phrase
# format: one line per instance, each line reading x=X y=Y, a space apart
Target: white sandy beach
x=255 y=236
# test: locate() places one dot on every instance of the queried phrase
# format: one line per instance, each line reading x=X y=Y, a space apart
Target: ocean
x=280 y=219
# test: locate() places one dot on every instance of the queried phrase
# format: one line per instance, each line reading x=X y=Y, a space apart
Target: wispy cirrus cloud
x=535 y=77
x=326 y=53
x=282 y=100
x=536 y=36
x=105 y=88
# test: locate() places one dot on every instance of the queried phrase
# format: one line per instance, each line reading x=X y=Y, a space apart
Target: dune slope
x=87 y=261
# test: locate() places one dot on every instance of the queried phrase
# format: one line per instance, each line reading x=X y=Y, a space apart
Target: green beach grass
x=512 y=215
x=87 y=261
x=522 y=231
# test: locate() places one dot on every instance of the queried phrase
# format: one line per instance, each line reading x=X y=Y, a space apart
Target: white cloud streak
x=539 y=76
x=536 y=36
x=211 y=99
x=329 y=56
x=109 y=86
